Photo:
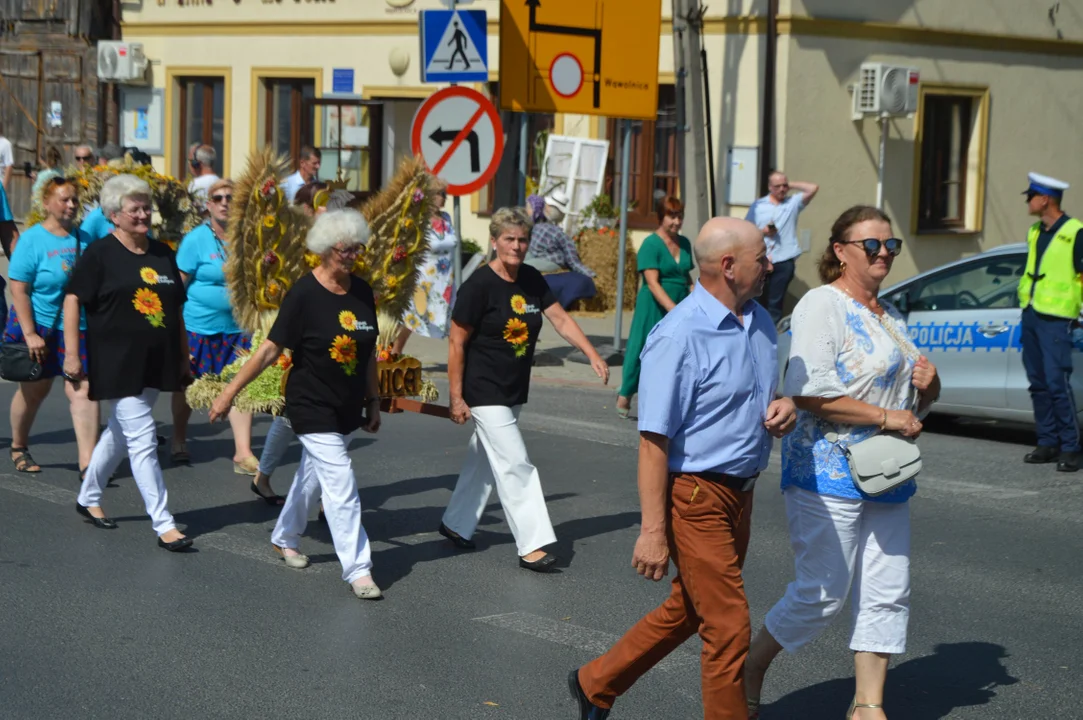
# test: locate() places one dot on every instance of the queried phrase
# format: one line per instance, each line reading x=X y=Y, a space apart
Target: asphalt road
x=97 y=624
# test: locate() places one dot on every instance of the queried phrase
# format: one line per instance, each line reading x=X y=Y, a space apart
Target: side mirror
x=902 y=302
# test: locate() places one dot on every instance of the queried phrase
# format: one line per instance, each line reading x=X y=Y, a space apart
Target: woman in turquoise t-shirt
x=213 y=335
x=41 y=263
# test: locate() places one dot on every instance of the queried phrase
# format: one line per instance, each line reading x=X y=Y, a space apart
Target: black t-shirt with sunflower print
x=332 y=338
x=506 y=318
x=133 y=308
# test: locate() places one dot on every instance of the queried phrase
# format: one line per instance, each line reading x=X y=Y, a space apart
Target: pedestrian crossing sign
x=454 y=46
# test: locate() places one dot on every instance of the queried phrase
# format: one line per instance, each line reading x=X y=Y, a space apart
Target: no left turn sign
x=458 y=134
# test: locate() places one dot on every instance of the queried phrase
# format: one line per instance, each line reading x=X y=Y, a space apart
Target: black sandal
x=23 y=460
x=275 y=500
x=456 y=539
x=544 y=564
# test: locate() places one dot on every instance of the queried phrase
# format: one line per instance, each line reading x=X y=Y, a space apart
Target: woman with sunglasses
x=40 y=266
x=429 y=314
x=213 y=335
x=664 y=262
x=853 y=374
x=138 y=347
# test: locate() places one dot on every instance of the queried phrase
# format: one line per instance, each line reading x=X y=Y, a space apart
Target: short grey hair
x=206 y=155
x=510 y=217
x=118 y=189
x=333 y=227
x=553 y=214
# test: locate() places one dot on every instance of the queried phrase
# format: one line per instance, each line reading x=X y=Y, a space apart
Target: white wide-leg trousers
x=130 y=431
x=275 y=445
x=325 y=466
x=497 y=455
x=846 y=547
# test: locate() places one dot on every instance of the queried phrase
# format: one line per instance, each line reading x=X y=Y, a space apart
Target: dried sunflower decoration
x=176 y=211
x=267 y=256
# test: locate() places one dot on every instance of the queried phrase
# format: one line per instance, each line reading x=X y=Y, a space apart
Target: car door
x=964 y=318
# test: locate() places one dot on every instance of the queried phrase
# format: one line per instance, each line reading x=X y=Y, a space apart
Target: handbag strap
x=907 y=349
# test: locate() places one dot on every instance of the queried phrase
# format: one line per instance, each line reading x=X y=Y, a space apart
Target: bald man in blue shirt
x=707 y=412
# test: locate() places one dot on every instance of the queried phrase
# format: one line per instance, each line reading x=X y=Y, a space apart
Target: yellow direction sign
x=594 y=57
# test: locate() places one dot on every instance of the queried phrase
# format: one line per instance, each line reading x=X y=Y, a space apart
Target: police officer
x=1051 y=295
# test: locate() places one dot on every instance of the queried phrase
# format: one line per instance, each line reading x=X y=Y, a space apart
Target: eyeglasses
x=780 y=185
x=222 y=198
x=872 y=246
x=138 y=213
x=353 y=251
x=83 y=158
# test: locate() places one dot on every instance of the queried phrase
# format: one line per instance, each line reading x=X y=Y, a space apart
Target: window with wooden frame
x=351 y=145
x=950 y=149
x=202 y=114
x=653 y=168
x=287 y=119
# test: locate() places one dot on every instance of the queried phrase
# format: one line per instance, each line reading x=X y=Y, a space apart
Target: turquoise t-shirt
x=208 y=310
x=96 y=225
x=5 y=209
x=44 y=262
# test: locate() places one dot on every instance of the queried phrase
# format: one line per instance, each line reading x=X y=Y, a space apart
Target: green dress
x=675 y=278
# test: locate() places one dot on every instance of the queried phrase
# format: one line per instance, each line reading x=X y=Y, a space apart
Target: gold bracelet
x=883 y=420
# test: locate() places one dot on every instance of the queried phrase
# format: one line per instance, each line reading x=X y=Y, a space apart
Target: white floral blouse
x=429 y=313
x=839 y=348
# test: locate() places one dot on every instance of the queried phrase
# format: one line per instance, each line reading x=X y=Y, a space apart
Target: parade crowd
x=122 y=318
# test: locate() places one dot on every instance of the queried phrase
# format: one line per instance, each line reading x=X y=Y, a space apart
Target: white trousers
x=275 y=445
x=846 y=547
x=325 y=465
x=130 y=431
x=497 y=455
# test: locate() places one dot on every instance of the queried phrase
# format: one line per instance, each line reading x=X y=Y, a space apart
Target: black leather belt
x=732 y=482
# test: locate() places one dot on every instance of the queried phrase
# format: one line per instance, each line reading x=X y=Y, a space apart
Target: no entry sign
x=458 y=133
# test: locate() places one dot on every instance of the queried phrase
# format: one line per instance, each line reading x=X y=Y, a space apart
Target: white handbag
x=883 y=462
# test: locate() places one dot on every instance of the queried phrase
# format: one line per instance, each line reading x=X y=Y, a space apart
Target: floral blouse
x=839 y=348
x=429 y=313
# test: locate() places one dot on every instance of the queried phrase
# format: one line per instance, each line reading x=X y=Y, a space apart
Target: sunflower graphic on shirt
x=149 y=305
x=347 y=320
x=518 y=304
x=148 y=275
x=344 y=352
x=517 y=334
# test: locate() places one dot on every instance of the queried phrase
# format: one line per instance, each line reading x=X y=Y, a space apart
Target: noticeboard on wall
x=743 y=176
x=142 y=119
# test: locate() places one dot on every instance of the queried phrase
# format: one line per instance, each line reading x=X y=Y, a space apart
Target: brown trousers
x=708 y=533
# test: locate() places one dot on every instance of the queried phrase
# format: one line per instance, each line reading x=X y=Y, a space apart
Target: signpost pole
x=459 y=247
x=524 y=122
x=625 y=161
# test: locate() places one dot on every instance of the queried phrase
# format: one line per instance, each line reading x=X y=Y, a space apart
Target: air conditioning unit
x=121 y=61
x=886 y=90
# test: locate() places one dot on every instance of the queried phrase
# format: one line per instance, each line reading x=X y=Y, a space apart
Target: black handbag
x=16 y=364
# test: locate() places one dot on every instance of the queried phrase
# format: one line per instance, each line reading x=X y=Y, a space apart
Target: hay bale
x=598 y=250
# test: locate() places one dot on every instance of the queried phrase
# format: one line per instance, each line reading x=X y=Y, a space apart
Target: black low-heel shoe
x=103 y=523
x=456 y=539
x=545 y=564
x=176 y=545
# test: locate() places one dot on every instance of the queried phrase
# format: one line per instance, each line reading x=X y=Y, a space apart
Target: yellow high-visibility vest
x=1055 y=288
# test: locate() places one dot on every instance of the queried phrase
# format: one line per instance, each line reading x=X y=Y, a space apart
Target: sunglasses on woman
x=84 y=158
x=872 y=246
x=222 y=198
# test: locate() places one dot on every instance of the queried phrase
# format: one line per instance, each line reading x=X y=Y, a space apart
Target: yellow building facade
x=1000 y=94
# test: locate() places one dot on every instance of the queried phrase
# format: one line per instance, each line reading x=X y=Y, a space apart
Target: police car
x=965 y=318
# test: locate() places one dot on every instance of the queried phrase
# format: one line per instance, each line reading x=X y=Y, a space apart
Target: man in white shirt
x=308 y=169
x=203 y=175
x=776 y=215
x=7 y=160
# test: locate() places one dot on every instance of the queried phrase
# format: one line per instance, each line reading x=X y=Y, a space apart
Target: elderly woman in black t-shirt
x=137 y=346
x=328 y=321
x=494 y=327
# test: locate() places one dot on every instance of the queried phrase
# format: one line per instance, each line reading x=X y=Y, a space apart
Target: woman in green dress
x=665 y=263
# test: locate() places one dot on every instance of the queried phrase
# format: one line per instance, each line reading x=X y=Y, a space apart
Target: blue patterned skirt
x=212 y=353
x=54 y=342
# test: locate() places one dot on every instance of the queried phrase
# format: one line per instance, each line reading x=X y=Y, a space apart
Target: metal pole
x=883 y=153
x=524 y=123
x=625 y=161
x=710 y=130
x=457 y=209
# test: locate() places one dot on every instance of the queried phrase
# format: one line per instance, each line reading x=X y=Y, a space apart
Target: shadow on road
x=1017 y=434
x=955 y=675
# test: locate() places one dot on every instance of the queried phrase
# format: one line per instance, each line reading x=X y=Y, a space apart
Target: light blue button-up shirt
x=783 y=245
x=706 y=383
